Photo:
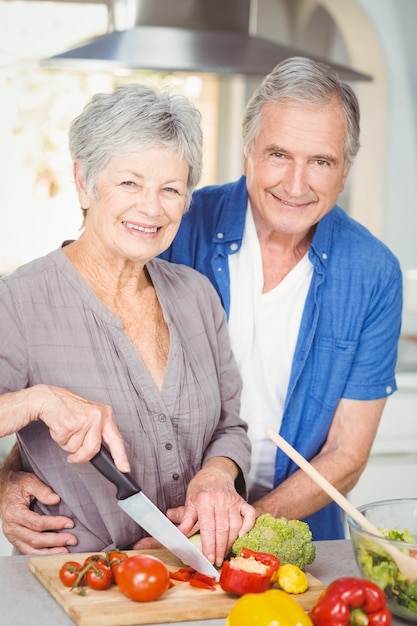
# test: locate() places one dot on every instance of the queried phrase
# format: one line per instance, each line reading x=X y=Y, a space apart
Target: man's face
x=297 y=167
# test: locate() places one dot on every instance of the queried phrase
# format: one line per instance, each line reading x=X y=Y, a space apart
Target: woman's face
x=140 y=200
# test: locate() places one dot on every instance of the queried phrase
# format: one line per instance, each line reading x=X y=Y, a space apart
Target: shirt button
x=175 y=476
x=219 y=269
x=234 y=247
x=220 y=235
x=168 y=446
x=162 y=418
x=324 y=256
x=389 y=389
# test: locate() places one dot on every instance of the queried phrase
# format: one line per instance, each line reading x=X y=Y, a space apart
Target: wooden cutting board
x=181 y=603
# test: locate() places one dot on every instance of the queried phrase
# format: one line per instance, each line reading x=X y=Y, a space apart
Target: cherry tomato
x=96 y=558
x=143 y=578
x=98 y=576
x=69 y=572
x=115 y=559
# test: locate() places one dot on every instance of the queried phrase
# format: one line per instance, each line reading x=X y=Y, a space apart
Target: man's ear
x=81 y=186
x=344 y=179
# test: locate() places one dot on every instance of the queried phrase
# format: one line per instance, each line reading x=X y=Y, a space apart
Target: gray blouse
x=54 y=330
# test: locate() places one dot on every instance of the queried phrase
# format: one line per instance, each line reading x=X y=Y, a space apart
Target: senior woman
x=101 y=340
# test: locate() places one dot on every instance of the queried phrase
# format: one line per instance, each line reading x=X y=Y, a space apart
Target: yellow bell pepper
x=292 y=579
x=274 y=607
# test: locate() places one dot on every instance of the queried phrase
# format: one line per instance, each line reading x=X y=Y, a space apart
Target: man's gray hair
x=306 y=81
x=133 y=118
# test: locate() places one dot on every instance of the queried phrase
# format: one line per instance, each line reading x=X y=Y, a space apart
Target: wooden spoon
x=406 y=564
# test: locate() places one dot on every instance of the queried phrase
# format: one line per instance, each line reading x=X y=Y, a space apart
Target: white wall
x=394 y=22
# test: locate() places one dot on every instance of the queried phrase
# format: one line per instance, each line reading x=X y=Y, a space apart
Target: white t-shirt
x=270 y=323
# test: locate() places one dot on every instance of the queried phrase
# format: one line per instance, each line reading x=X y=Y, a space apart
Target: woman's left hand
x=214 y=507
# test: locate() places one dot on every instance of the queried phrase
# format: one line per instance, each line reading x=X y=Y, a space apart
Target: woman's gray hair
x=131 y=119
x=306 y=81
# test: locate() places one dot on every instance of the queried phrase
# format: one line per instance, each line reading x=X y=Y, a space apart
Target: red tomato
x=143 y=578
x=115 y=560
x=96 y=558
x=69 y=572
x=99 y=576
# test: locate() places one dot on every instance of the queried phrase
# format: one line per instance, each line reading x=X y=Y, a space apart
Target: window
x=38 y=203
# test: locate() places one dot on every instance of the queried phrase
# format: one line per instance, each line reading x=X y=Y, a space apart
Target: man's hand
x=30 y=532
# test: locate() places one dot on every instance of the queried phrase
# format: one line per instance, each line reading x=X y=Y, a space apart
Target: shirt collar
x=320 y=248
x=231 y=222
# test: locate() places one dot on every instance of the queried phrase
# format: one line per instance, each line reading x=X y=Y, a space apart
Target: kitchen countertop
x=25 y=602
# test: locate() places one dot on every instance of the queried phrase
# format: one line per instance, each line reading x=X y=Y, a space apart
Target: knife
x=133 y=501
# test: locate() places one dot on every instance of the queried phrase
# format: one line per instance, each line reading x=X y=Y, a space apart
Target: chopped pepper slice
x=354 y=601
x=250 y=572
x=194 y=578
x=273 y=607
x=183 y=574
x=203 y=581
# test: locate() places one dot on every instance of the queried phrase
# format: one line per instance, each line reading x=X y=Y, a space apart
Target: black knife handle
x=125 y=483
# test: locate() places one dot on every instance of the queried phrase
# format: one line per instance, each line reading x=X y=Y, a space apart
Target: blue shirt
x=348 y=338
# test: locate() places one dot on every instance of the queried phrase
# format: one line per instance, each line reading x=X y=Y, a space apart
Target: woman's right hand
x=78 y=425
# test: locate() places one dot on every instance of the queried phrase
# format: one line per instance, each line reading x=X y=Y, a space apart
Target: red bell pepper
x=354 y=601
x=250 y=572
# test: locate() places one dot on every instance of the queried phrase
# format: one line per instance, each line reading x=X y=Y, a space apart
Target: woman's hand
x=214 y=507
x=76 y=424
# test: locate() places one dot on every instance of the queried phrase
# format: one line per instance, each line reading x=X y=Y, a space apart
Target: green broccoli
x=291 y=541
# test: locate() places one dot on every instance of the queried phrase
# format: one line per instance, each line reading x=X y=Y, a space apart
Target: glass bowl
x=375 y=563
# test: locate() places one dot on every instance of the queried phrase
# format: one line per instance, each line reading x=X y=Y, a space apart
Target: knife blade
x=133 y=501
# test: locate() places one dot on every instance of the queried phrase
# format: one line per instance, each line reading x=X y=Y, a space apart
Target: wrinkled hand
x=30 y=532
x=79 y=426
x=214 y=507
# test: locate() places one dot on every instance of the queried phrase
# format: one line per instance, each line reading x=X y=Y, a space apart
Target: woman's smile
x=147 y=230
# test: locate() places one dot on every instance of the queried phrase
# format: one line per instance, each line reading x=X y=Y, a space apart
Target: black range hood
x=187 y=36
